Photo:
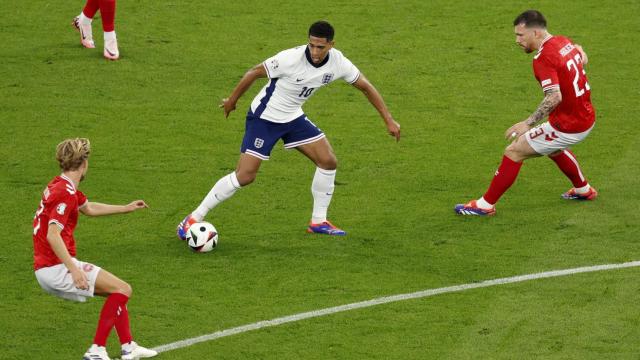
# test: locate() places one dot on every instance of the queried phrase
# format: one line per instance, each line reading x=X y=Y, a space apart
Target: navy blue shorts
x=260 y=136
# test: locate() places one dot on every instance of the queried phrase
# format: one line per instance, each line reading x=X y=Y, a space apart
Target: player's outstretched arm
x=229 y=104
x=551 y=99
x=98 y=209
x=376 y=100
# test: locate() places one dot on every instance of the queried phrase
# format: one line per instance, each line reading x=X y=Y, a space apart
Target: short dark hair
x=321 y=29
x=531 y=18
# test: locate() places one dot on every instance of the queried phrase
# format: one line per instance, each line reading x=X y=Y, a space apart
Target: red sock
x=502 y=181
x=568 y=163
x=108 y=12
x=122 y=325
x=90 y=8
x=108 y=317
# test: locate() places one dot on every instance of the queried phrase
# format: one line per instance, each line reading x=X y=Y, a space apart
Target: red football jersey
x=59 y=205
x=558 y=64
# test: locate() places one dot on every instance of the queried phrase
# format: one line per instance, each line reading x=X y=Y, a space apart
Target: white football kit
x=294 y=78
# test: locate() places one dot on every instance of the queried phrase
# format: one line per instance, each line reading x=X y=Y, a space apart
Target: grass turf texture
x=451 y=75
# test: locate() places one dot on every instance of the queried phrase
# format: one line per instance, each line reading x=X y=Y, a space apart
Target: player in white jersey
x=276 y=113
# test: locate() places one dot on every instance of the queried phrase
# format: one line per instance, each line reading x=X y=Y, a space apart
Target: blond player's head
x=72 y=154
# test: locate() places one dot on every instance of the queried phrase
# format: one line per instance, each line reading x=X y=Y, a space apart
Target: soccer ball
x=202 y=237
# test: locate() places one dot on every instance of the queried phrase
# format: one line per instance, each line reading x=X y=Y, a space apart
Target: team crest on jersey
x=258 y=143
x=327 y=77
x=61 y=208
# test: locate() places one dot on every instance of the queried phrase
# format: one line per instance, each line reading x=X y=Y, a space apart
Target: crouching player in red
x=56 y=267
x=559 y=68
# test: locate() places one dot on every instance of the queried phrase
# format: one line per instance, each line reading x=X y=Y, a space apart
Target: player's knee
x=245 y=178
x=125 y=289
x=512 y=153
x=329 y=163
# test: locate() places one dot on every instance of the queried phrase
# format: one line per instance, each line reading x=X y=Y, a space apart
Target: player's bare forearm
x=376 y=100
x=229 y=104
x=551 y=99
x=247 y=80
x=58 y=247
x=373 y=96
x=99 y=209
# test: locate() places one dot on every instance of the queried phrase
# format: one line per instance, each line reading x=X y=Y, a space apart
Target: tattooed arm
x=551 y=99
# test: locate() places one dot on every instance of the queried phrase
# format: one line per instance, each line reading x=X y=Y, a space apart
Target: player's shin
x=108 y=317
x=322 y=189
x=503 y=179
x=221 y=191
x=568 y=164
x=122 y=325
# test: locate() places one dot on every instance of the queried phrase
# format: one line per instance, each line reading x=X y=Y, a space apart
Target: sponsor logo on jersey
x=327 y=77
x=61 y=208
x=258 y=143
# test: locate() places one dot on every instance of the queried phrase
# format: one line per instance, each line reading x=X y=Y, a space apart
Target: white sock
x=111 y=35
x=482 y=203
x=221 y=191
x=84 y=20
x=322 y=190
x=583 y=190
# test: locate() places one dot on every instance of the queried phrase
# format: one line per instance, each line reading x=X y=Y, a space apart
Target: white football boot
x=86 y=35
x=133 y=351
x=96 y=352
x=111 y=49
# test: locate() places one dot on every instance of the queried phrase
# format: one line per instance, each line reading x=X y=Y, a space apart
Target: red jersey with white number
x=558 y=65
x=59 y=205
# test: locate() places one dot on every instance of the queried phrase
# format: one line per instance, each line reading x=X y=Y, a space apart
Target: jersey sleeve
x=546 y=74
x=62 y=204
x=278 y=65
x=348 y=71
x=82 y=199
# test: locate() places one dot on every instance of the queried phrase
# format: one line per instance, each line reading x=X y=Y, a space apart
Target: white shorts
x=545 y=140
x=56 y=280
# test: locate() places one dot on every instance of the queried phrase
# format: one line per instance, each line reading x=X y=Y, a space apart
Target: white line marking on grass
x=388 y=299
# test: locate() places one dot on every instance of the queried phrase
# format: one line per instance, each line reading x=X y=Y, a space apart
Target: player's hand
x=394 y=129
x=136 y=205
x=79 y=278
x=516 y=130
x=227 y=106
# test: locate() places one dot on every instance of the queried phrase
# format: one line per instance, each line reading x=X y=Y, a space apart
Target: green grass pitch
x=453 y=77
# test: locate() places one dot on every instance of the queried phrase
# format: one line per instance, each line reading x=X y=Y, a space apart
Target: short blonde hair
x=71 y=153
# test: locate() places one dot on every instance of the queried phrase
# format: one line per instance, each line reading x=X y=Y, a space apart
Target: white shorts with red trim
x=56 y=280
x=545 y=140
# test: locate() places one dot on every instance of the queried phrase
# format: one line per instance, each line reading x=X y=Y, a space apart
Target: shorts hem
x=304 y=142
